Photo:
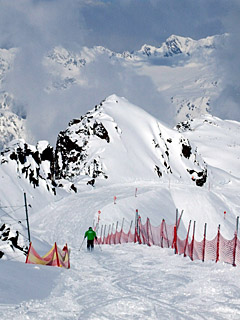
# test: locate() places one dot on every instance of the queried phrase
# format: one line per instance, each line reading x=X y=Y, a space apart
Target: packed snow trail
x=133 y=281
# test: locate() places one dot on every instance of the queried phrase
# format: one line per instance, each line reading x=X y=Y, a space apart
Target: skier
x=90 y=234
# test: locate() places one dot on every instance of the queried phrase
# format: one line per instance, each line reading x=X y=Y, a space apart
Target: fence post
x=30 y=245
x=161 y=232
x=218 y=241
x=174 y=244
x=139 y=230
x=111 y=235
x=56 y=251
x=235 y=242
x=115 y=233
x=108 y=240
x=121 y=231
x=192 y=244
x=136 y=226
x=186 y=242
x=148 y=240
x=101 y=234
x=179 y=220
x=104 y=239
x=204 y=242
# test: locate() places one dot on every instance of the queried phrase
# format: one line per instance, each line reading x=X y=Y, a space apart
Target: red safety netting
x=55 y=257
x=165 y=236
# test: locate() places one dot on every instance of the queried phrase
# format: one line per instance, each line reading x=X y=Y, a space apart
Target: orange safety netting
x=165 y=236
x=55 y=257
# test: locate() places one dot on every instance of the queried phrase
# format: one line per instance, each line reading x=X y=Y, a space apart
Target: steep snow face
x=217 y=141
x=121 y=142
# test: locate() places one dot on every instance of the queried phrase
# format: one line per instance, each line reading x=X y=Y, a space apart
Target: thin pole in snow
x=218 y=244
x=235 y=242
x=204 y=242
x=26 y=209
x=136 y=192
x=116 y=233
x=104 y=233
x=192 y=244
x=101 y=233
x=186 y=241
x=121 y=231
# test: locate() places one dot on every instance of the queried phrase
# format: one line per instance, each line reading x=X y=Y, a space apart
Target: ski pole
x=81 y=244
x=99 y=245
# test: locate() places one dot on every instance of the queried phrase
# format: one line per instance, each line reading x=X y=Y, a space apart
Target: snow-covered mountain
x=121 y=142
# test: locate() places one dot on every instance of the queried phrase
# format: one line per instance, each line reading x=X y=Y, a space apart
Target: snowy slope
x=120 y=141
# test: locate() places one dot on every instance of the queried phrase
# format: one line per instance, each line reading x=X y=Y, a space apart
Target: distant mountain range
x=184 y=71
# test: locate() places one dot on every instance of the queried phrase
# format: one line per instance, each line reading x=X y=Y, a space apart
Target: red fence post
x=28 y=252
x=192 y=244
x=56 y=251
x=186 y=242
x=101 y=234
x=104 y=232
x=139 y=230
x=115 y=233
x=108 y=236
x=174 y=244
x=136 y=226
x=204 y=242
x=235 y=243
x=121 y=232
x=218 y=241
x=148 y=238
x=161 y=232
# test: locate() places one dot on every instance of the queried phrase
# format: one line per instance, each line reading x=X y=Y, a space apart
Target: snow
x=123 y=282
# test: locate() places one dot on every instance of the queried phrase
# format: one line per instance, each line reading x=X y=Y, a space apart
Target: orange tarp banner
x=55 y=257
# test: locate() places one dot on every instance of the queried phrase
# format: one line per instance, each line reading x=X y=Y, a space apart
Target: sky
x=36 y=26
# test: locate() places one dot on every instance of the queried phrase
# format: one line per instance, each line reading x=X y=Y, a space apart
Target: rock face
x=73 y=148
x=36 y=164
x=11 y=240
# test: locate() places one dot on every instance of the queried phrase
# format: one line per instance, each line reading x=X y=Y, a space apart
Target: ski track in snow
x=135 y=282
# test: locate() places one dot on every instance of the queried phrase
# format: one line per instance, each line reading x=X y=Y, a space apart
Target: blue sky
x=117 y=24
